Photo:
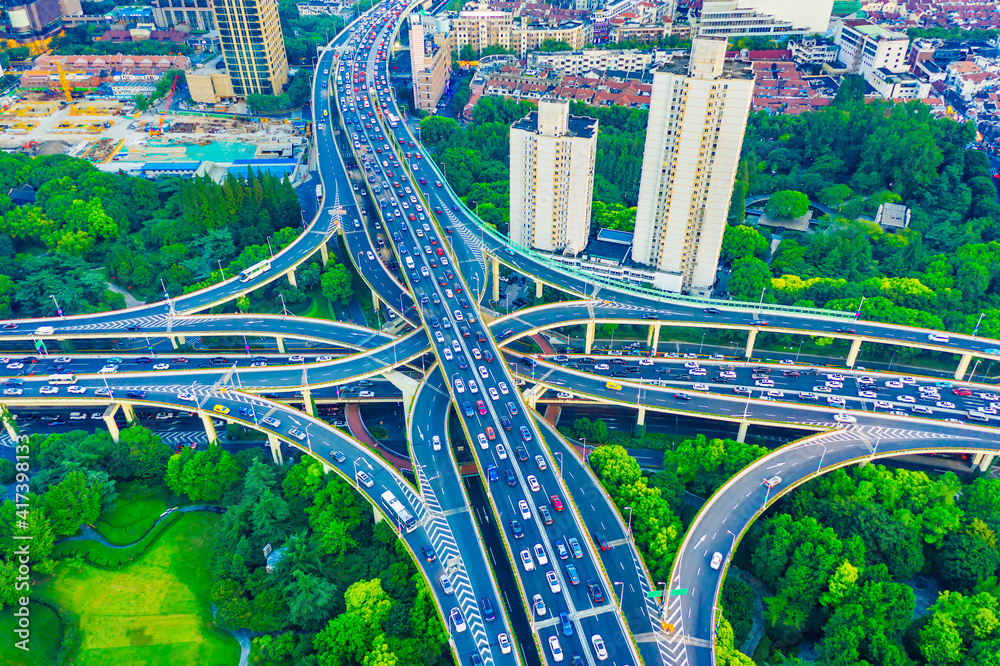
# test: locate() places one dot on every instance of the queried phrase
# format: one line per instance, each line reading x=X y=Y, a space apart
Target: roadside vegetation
x=342 y=588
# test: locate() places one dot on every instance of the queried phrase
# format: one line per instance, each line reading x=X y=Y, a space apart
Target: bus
x=393 y=120
x=64 y=378
x=257 y=269
x=404 y=519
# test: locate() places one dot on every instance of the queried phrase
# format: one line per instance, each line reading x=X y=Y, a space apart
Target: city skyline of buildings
x=253 y=46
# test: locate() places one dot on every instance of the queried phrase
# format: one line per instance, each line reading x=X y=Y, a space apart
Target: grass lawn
x=154 y=611
x=46 y=633
x=131 y=517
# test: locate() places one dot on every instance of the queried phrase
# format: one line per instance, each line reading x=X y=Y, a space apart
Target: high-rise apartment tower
x=693 y=141
x=250 y=34
x=552 y=157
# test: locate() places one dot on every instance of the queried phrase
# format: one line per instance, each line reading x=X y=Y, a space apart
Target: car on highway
x=556 y=649
x=883 y=404
x=571 y=574
x=553 y=581
x=772 y=482
x=594 y=591
x=516 y=529
x=522 y=506
x=526 y=561
x=491 y=472
x=77 y=390
x=503 y=388
x=716 y=560
x=364 y=479
x=297 y=434
x=13 y=391
x=600 y=651
x=220 y=409
x=844 y=418
x=533 y=483
x=457 y=620
x=501 y=451
x=493 y=394
x=483 y=444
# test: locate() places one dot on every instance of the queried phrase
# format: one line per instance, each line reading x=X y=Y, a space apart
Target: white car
x=297 y=358
x=448 y=356
x=532 y=480
x=906 y=398
x=865 y=380
x=436 y=443
x=555 y=648
x=525 y=511
x=599 y=649
x=867 y=394
x=988 y=396
x=908 y=380
x=476 y=354
x=894 y=384
x=766 y=383
x=540 y=554
x=77 y=390
x=504 y=643
x=186 y=395
x=835 y=377
x=698 y=372
x=111 y=367
x=63 y=359
x=483 y=444
x=645 y=361
x=786 y=361
x=691 y=364
x=473 y=386
x=363 y=479
x=716 y=560
x=945 y=404
x=538 y=605
x=457 y=620
x=775 y=393
x=161 y=366
x=297 y=434
x=526 y=561
x=844 y=418
x=493 y=394
x=448 y=293
x=540 y=461
x=12 y=391
x=806 y=395
x=503 y=387
x=883 y=404
x=501 y=452
x=483 y=372
x=728 y=375
x=700 y=387
x=550 y=578
x=15 y=366
x=323 y=359
x=459 y=385
x=49 y=390
x=271 y=421
x=439 y=336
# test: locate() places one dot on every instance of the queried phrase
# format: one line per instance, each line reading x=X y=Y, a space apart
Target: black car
x=681 y=396
x=512 y=481
x=133 y=327
x=462 y=362
x=712 y=311
x=595 y=592
x=515 y=527
x=137 y=395
x=480 y=337
x=144 y=359
x=505 y=422
x=429 y=553
x=487 y=609
x=522 y=454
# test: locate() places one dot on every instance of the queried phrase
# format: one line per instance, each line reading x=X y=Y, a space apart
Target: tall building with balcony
x=194 y=15
x=430 y=60
x=552 y=157
x=693 y=141
x=32 y=21
x=253 y=46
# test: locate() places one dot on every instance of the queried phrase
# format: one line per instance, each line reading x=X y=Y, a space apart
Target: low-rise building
x=575 y=63
x=892 y=85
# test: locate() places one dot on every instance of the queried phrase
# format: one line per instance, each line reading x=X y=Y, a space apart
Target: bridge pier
x=589 y=342
x=291 y=277
x=206 y=421
x=852 y=356
x=963 y=365
x=496 y=278
x=307 y=402
x=375 y=301
x=741 y=436
x=281 y=343
x=641 y=419
x=181 y=340
x=984 y=461
x=275 y=449
x=407 y=385
x=128 y=411
x=109 y=421
x=538 y=289
x=751 y=339
x=655 y=343
x=324 y=253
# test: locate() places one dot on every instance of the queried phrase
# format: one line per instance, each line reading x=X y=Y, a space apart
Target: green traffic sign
x=679 y=592
x=654 y=594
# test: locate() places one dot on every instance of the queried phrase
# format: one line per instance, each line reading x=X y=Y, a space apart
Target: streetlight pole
x=975 y=331
x=583 y=441
x=269 y=247
x=559 y=453
x=973 y=373
x=620 y=596
x=761 y=304
x=822 y=455
x=58 y=309
x=629 y=520
x=284 y=310
x=222 y=271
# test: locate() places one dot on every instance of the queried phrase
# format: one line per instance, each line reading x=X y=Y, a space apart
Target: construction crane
x=166 y=107
x=63 y=83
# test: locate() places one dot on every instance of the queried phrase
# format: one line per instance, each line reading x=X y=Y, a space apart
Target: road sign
x=654 y=594
x=680 y=592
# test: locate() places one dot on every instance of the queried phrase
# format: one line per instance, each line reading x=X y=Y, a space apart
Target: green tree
x=787 y=205
x=336 y=284
x=743 y=241
x=141 y=454
x=72 y=502
x=749 y=278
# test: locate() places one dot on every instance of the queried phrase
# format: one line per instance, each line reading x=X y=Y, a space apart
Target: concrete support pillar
x=751 y=339
x=375 y=302
x=128 y=411
x=8 y=424
x=324 y=254
x=655 y=344
x=291 y=278
x=963 y=365
x=496 y=278
x=173 y=342
x=206 y=420
x=109 y=421
x=852 y=355
x=180 y=340
x=538 y=290
x=307 y=402
x=327 y=468
x=590 y=337
x=281 y=344
x=378 y=515
x=641 y=420
x=741 y=437
x=275 y=449
x=649 y=338
x=987 y=462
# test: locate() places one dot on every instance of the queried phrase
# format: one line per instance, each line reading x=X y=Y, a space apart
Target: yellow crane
x=63 y=83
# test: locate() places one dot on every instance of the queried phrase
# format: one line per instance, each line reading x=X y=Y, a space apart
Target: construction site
x=107 y=131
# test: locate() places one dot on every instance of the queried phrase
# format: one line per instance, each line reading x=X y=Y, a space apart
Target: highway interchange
x=504 y=433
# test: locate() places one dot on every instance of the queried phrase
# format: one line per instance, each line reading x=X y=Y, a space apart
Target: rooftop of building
x=602 y=249
x=615 y=236
x=731 y=69
x=578 y=126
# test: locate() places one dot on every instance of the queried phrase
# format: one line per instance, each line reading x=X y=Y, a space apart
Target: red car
x=556 y=503
x=440 y=252
x=490 y=434
x=482 y=406
x=961 y=391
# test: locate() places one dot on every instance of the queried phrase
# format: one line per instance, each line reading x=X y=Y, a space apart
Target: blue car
x=467 y=408
x=567 y=627
x=491 y=472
